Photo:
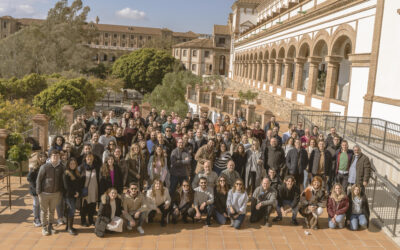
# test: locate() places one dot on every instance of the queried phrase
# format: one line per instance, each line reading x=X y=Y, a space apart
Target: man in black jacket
x=180 y=164
x=49 y=187
x=332 y=149
x=275 y=157
x=296 y=161
x=320 y=163
x=288 y=196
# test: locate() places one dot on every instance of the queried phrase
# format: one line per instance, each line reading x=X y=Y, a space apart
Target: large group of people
x=121 y=173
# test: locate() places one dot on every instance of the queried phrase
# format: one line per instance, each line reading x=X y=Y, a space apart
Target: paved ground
x=17 y=232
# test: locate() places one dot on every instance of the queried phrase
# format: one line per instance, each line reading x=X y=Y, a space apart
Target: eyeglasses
x=133 y=189
x=203 y=182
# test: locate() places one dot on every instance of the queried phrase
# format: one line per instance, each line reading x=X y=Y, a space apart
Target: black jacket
x=240 y=163
x=50 y=179
x=179 y=164
x=364 y=207
x=292 y=195
x=220 y=201
x=72 y=184
x=296 y=161
x=314 y=162
x=32 y=177
x=106 y=183
x=274 y=158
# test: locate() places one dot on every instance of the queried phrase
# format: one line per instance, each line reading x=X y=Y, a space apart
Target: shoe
x=70 y=226
x=45 y=231
x=37 y=223
x=129 y=228
x=60 y=222
x=294 y=222
x=140 y=230
x=51 y=229
x=267 y=224
x=232 y=223
x=276 y=219
x=184 y=219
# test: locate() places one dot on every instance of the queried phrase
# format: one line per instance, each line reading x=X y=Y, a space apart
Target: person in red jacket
x=338 y=203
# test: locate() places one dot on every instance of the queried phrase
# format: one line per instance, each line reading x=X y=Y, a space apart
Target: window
x=221 y=40
x=97 y=42
x=115 y=44
x=149 y=38
x=210 y=68
x=176 y=52
x=194 y=53
x=206 y=54
x=115 y=35
x=140 y=38
x=184 y=52
x=106 y=43
x=123 y=44
x=131 y=45
x=123 y=36
x=184 y=40
x=193 y=67
x=105 y=34
x=5 y=24
x=132 y=37
x=105 y=58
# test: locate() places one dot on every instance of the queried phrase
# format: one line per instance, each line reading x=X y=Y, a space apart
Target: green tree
x=170 y=95
x=16 y=115
x=144 y=69
x=26 y=88
x=57 y=44
x=247 y=96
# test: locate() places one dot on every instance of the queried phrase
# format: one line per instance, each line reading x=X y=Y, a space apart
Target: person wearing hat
x=312 y=203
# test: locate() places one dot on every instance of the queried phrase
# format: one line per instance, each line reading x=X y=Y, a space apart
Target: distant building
x=208 y=55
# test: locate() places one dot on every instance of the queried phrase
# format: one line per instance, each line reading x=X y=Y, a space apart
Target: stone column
x=41 y=124
x=236 y=105
x=331 y=80
x=68 y=113
x=278 y=71
x=298 y=76
x=271 y=65
x=264 y=66
x=312 y=78
x=3 y=146
x=224 y=103
x=286 y=75
x=250 y=113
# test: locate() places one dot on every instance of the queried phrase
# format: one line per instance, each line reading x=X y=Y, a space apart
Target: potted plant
x=247 y=96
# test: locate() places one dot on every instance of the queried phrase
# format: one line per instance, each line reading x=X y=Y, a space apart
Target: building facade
x=111 y=41
x=206 y=55
x=330 y=55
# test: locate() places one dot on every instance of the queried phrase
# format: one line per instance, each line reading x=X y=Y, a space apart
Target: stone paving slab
x=18 y=232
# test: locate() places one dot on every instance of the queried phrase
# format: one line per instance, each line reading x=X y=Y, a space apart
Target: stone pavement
x=18 y=232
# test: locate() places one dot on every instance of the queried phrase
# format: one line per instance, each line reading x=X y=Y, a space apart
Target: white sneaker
x=140 y=230
x=37 y=224
x=129 y=227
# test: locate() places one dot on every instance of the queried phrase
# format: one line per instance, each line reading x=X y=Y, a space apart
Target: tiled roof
x=196 y=43
x=186 y=34
x=221 y=29
x=128 y=29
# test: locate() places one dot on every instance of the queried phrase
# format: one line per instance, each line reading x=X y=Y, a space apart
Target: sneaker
x=60 y=221
x=267 y=224
x=51 y=229
x=129 y=228
x=294 y=222
x=140 y=230
x=37 y=223
x=45 y=231
x=276 y=219
x=231 y=223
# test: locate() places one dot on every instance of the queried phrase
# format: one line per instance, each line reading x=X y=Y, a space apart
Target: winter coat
x=337 y=204
x=296 y=161
x=312 y=197
x=72 y=184
x=202 y=155
x=252 y=158
x=105 y=182
x=32 y=177
x=314 y=162
x=274 y=158
x=179 y=164
x=364 y=207
x=50 y=179
x=363 y=168
x=292 y=195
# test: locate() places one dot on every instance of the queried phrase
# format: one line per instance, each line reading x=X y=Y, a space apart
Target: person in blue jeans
x=358 y=212
x=288 y=197
x=338 y=203
x=73 y=186
x=237 y=203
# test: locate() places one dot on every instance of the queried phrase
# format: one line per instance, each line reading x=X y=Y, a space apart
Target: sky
x=178 y=15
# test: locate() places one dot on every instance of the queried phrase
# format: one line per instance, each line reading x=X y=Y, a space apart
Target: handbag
x=85 y=190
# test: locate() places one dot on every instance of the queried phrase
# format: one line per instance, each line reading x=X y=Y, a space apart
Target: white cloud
x=25 y=8
x=131 y=14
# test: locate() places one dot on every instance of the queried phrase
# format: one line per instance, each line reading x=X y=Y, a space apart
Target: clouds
x=21 y=8
x=128 y=13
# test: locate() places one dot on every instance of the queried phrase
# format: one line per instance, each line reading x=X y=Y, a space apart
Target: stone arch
x=291 y=52
x=344 y=33
x=292 y=45
x=273 y=54
x=255 y=56
x=281 y=53
x=320 y=44
x=266 y=54
x=304 y=46
x=251 y=57
x=260 y=55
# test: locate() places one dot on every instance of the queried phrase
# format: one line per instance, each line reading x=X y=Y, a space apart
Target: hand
x=258 y=206
x=203 y=205
x=236 y=216
x=166 y=206
x=232 y=210
x=137 y=215
x=76 y=195
x=132 y=223
x=310 y=207
x=313 y=208
x=226 y=215
x=176 y=211
x=198 y=215
x=333 y=220
x=365 y=183
x=138 y=176
x=158 y=210
x=187 y=158
x=283 y=211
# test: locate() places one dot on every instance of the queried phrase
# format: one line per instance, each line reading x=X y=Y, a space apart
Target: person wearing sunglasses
x=134 y=208
x=182 y=203
x=237 y=203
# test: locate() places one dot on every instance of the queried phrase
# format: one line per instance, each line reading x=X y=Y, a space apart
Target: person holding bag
x=109 y=215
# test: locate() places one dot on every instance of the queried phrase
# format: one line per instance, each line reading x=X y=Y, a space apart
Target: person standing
x=297 y=161
x=360 y=169
x=73 y=187
x=49 y=187
x=181 y=161
x=320 y=163
x=343 y=159
x=254 y=167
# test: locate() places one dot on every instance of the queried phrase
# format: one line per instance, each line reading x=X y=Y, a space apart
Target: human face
x=157 y=185
x=316 y=184
x=169 y=119
x=297 y=144
x=321 y=146
x=274 y=142
x=271 y=173
x=338 y=189
x=92 y=129
x=210 y=143
x=223 y=148
x=336 y=141
x=265 y=183
x=135 y=149
x=113 y=194
x=73 y=165
x=231 y=166
x=134 y=190
x=153 y=135
x=67 y=147
x=110 y=161
x=345 y=146
x=111 y=145
x=238 y=185
x=203 y=184
x=89 y=159
x=117 y=152
x=207 y=167
x=95 y=138
x=55 y=158
x=59 y=141
x=356 y=150
x=108 y=130
x=168 y=132
x=312 y=143
x=159 y=151
x=257 y=125
x=180 y=144
x=87 y=149
x=289 y=183
x=78 y=140
x=185 y=186
x=222 y=181
x=245 y=139
x=356 y=191
x=119 y=132
x=333 y=131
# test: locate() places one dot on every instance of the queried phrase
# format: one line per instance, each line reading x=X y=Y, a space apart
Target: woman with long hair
x=109 y=215
x=90 y=192
x=358 y=212
x=236 y=204
x=32 y=176
x=289 y=145
x=223 y=156
x=220 y=196
x=110 y=176
x=312 y=203
x=235 y=143
x=159 y=201
x=57 y=143
x=338 y=203
x=182 y=203
x=158 y=166
x=136 y=166
x=311 y=146
x=73 y=188
x=255 y=171
x=130 y=131
x=111 y=146
x=239 y=157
